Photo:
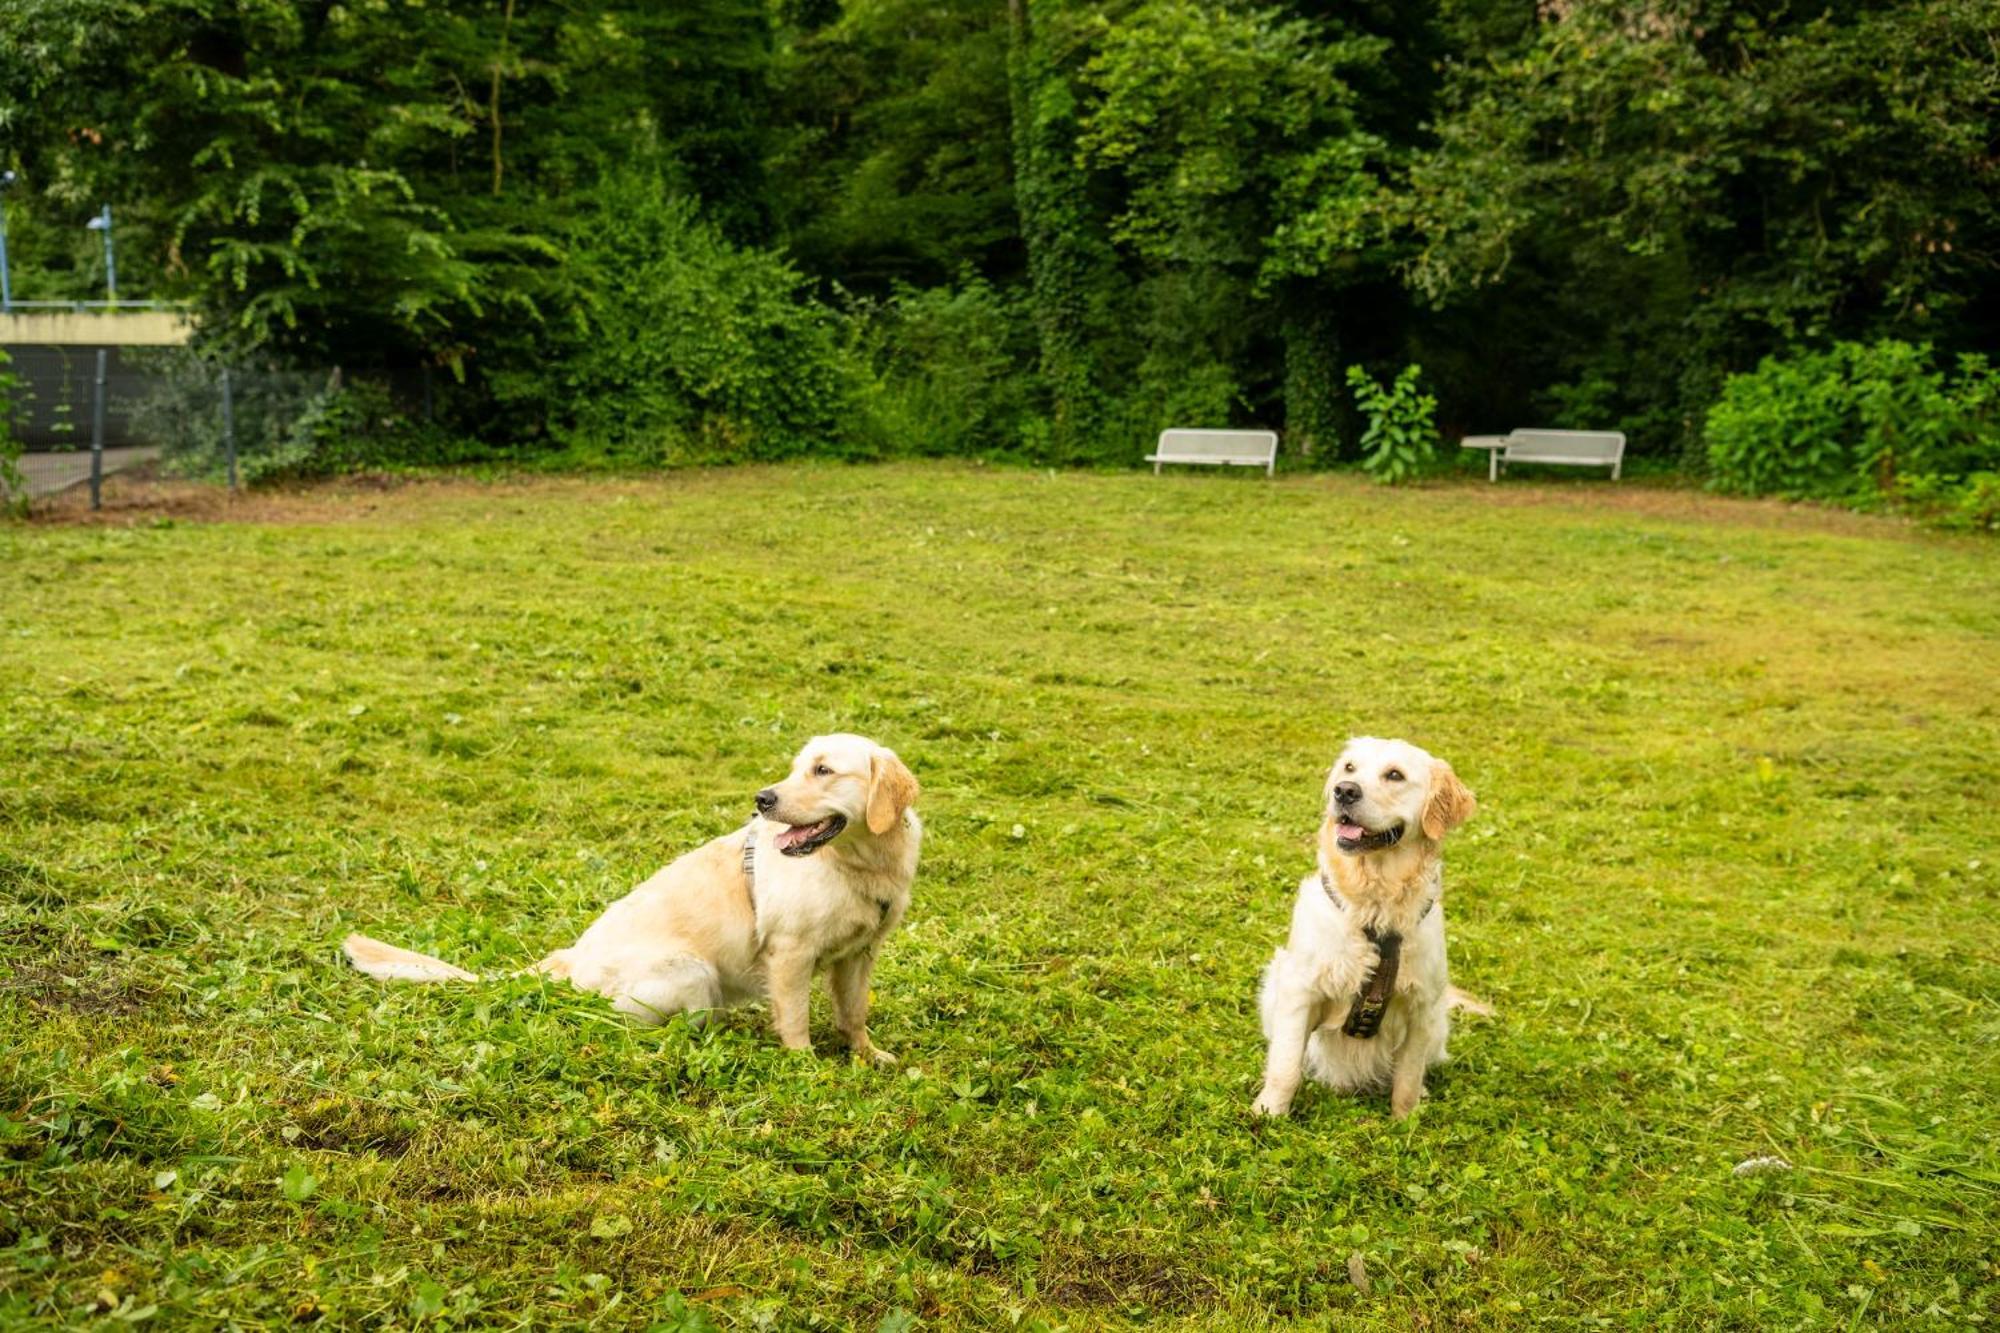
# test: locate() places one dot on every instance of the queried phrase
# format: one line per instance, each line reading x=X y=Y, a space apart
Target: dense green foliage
x=691 y=349
x=1586 y=213
x=1874 y=422
x=952 y=366
x=1727 y=888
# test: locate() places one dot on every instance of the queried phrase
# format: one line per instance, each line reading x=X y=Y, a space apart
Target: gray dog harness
x=1364 y=1018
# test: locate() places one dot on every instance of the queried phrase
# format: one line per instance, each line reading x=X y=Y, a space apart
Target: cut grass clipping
x=1731 y=888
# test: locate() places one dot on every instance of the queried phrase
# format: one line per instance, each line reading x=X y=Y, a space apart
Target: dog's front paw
x=875 y=1055
x=1270 y=1104
x=1403 y=1100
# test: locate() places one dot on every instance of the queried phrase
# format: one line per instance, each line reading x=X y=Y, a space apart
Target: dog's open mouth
x=1351 y=837
x=805 y=839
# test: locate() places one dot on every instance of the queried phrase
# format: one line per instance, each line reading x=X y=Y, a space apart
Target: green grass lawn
x=1731 y=888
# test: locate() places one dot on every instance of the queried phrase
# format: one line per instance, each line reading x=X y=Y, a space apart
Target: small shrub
x=1400 y=440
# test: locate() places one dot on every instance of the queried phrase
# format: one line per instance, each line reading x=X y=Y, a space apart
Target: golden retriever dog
x=816 y=881
x=1359 y=996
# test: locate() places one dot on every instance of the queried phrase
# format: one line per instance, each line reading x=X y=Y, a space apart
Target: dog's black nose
x=766 y=799
x=1346 y=793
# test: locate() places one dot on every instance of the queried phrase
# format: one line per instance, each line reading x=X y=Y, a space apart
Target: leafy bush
x=1400 y=440
x=1977 y=503
x=1861 y=423
x=689 y=349
x=951 y=368
x=1971 y=502
x=1788 y=429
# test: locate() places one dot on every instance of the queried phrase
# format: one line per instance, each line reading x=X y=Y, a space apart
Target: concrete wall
x=95 y=328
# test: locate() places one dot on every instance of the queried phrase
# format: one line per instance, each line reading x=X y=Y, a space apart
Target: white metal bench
x=1222 y=448
x=1579 y=448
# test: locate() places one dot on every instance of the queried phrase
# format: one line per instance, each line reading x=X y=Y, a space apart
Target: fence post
x=229 y=427
x=97 y=435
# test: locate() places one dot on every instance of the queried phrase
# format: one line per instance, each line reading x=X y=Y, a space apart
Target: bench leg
x=1614 y=470
x=1492 y=465
x=1156 y=469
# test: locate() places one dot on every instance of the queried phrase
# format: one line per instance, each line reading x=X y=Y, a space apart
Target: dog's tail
x=1455 y=998
x=388 y=963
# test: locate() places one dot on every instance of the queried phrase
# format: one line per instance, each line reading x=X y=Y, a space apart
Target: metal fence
x=82 y=414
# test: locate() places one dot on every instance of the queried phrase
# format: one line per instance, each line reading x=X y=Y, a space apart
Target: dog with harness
x=1359 y=996
x=813 y=883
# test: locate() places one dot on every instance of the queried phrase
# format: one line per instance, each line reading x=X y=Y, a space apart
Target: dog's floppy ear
x=1451 y=802
x=892 y=789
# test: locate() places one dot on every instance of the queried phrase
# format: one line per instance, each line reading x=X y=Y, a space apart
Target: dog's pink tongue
x=795 y=834
x=1351 y=831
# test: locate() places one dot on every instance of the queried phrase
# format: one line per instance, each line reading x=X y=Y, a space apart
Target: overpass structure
x=57 y=403
x=94 y=324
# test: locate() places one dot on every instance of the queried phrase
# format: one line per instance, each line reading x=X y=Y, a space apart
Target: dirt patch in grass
x=141 y=496
x=1657 y=499
x=1110 y=1279
x=347 y=1124
x=69 y=977
x=138 y=499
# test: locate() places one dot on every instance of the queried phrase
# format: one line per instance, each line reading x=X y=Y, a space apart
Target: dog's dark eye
x=1350 y=766
x=1394 y=775
x=822 y=771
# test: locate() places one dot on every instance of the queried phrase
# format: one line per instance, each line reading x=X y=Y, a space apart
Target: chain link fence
x=82 y=414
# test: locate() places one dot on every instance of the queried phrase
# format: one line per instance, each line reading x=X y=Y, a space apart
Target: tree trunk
x=1313 y=400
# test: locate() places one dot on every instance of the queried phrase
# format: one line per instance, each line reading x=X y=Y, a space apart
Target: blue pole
x=110 y=263
x=7 y=179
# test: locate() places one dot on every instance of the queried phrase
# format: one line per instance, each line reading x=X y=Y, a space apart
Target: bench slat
x=1217 y=448
x=1577 y=448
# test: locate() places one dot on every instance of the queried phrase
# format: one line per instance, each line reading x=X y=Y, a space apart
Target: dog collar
x=1364 y=1016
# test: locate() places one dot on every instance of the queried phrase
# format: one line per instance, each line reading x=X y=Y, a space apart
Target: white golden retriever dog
x=1359 y=997
x=816 y=880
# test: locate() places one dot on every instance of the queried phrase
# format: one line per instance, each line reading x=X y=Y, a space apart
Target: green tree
x=896 y=146
x=1242 y=166
x=1070 y=267
x=1668 y=193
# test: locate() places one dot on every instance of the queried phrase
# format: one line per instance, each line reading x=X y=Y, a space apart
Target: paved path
x=46 y=474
